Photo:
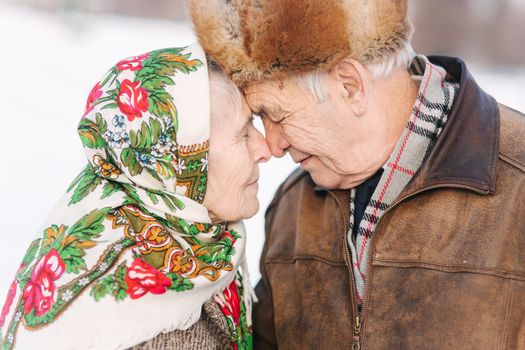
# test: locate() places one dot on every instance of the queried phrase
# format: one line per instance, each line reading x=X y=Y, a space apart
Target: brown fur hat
x=259 y=39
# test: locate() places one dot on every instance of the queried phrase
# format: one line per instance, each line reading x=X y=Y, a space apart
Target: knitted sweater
x=210 y=332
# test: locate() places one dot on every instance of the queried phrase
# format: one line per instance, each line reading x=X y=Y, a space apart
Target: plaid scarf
x=429 y=115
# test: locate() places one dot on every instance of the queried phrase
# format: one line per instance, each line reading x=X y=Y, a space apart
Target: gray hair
x=222 y=92
x=314 y=82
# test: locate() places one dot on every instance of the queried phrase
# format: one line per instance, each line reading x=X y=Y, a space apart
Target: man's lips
x=303 y=161
x=299 y=160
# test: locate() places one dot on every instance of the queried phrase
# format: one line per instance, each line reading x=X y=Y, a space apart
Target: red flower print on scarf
x=142 y=278
x=7 y=306
x=40 y=292
x=132 y=63
x=227 y=235
x=232 y=307
x=132 y=99
x=94 y=95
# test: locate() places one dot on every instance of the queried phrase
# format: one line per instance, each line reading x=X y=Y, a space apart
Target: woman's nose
x=274 y=137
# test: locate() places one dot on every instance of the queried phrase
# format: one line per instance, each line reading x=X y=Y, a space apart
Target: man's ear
x=353 y=83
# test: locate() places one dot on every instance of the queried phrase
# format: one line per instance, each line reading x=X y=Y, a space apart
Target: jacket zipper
x=372 y=248
x=356 y=343
x=357 y=321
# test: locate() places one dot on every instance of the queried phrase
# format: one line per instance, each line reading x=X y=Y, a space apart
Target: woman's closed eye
x=243 y=134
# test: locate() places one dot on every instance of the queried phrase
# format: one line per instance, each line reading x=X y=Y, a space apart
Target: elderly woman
x=145 y=250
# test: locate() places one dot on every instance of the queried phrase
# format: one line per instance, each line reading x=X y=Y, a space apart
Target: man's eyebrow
x=261 y=111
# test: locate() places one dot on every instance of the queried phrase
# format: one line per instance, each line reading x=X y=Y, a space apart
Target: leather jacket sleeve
x=264 y=336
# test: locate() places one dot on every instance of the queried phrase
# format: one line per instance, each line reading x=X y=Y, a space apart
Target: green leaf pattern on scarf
x=61 y=249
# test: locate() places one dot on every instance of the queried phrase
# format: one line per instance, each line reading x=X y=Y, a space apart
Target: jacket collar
x=466 y=152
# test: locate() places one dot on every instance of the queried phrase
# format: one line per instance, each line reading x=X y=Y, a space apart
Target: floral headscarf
x=129 y=251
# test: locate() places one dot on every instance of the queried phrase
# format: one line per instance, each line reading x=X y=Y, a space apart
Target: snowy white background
x=49 y=63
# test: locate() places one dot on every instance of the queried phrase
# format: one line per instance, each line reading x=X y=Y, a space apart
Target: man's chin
x=333 y=181
x=326 y=181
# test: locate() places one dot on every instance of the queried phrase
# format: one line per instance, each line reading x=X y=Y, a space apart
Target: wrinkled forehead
x=272 y=97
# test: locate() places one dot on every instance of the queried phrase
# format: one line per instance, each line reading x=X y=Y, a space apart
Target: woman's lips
x=256 y=182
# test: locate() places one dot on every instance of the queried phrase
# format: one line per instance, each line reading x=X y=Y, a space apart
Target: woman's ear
x=353 y=83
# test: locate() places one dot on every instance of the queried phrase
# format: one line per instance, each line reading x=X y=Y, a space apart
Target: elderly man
x=405 y=227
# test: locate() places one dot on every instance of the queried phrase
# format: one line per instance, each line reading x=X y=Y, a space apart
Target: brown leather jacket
x=447 y=264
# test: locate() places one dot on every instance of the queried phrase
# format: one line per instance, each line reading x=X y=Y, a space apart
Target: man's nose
x=275 y=138
x=261 y=151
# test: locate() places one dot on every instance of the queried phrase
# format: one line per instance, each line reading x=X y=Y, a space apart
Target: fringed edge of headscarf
x=249 y=295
